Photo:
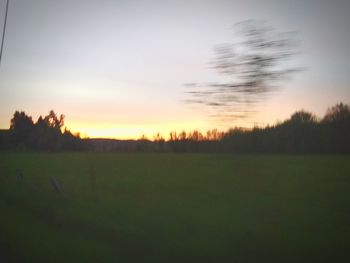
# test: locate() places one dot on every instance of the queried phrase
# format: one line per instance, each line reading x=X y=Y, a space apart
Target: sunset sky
x=117 y=68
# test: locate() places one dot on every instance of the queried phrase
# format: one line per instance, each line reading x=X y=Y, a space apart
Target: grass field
x=175 y=208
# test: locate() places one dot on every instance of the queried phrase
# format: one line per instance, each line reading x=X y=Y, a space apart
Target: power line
x=4 y=29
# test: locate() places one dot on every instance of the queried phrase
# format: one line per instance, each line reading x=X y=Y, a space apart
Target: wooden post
x=56 y=184
x=92 y=177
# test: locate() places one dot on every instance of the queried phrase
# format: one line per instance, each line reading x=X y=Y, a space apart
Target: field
x=174 y=208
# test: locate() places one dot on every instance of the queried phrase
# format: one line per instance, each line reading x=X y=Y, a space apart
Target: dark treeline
x=46 y=134
x=303 y=132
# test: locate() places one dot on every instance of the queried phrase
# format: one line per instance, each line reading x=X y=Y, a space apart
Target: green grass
x=175 y=208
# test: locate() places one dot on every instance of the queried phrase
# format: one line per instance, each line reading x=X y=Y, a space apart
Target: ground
x=174 y=208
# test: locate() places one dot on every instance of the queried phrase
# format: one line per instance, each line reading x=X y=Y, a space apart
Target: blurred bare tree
x=252 y=67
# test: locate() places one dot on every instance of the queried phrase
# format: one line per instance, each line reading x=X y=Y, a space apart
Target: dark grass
x=175 y=208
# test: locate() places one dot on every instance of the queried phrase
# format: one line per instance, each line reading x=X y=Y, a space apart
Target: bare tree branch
x=254 y=66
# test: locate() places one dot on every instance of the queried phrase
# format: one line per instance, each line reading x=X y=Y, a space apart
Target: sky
x=117 y=69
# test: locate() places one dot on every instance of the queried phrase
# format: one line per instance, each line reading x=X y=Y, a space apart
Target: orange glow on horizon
x=133 y=131
x=102 y=124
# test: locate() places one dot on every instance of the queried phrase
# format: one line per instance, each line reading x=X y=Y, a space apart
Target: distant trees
x=45 y=134
x=194 y=141
x=303 y=132
x=303 y=117
x=336 y=128
x=339 y=112
x=21 y=128
x=210 y=135
x=52 y=121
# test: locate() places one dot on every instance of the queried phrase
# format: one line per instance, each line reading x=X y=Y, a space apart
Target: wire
x=4 y=29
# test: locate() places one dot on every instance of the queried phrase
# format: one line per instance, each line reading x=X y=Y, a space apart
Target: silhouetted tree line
x=303 y=132
x=46 y=134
